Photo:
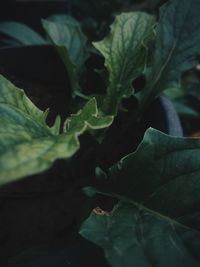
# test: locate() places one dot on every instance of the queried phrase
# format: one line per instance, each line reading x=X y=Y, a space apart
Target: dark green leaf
x=22 y=33
x=160 y=183
x=185 y=110
x=62 y=18
x=133 y=236
x=70 y=43
x=176 y=48
x=162 y=172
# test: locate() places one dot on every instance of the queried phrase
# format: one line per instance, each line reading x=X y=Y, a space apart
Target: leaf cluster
x=156 y=181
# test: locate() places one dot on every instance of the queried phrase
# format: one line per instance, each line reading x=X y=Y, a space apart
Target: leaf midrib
x=140 y=206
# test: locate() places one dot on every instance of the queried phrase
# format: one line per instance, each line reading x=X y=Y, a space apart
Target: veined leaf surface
x=87 y=118
x=66 y=35
x=158 y=221
x=133 y=236
x=125 y=51
x=27 y=144
x=177 y=46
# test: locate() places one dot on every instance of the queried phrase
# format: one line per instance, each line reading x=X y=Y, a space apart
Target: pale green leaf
x=27 y=144
x=87 y=118
x=22 y=33
x=159 y=224
x=125 y=52
x=70 y=43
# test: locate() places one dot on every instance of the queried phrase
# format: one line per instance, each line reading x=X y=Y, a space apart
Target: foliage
x=156 y=220
x=21 y=33
x=70 y=44
x=158 y=188
x=186 y=100
x=28 y=144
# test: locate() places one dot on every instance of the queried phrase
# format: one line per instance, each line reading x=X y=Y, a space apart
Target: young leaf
x=125 y=51
x=27 y=145
x=22 y=33
x=176 y=47
x=160 y=183
x=66 y=35
x=87 y=118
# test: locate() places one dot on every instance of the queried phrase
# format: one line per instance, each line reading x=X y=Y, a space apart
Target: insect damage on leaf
x=99 y=211
x=157 y=186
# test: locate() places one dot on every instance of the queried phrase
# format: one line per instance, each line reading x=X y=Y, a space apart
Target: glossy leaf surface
x=157 y=222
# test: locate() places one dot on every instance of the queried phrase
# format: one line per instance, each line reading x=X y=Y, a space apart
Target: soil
x=41 y=209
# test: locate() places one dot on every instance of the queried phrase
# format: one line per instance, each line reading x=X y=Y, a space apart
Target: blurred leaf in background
x=96 y=16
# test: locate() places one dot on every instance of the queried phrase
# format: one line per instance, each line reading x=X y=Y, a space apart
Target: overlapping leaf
x=176 y=47
x=125 y=51
x=22 y=33
x=66 y=35
x=134 y=236
x=27 y=145
x=160 y=183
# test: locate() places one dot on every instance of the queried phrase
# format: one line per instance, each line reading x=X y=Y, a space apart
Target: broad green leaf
x=22 y=33
x=162 y=182
x=134 y=236
x=163 y=168
x=70 y=43
x=176 y=47
x=125 y=52
x=27 y=144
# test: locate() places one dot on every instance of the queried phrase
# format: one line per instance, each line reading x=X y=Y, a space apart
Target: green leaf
x=125 y=52
x=70 y=43
x=184 y=110
x=22 y=33
x=163 y=168
x=175 y=93
x=62 y=18
x=176 y=47
x=159 y=224
x=133 y=236
x=87 y=118
x=27 y=144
